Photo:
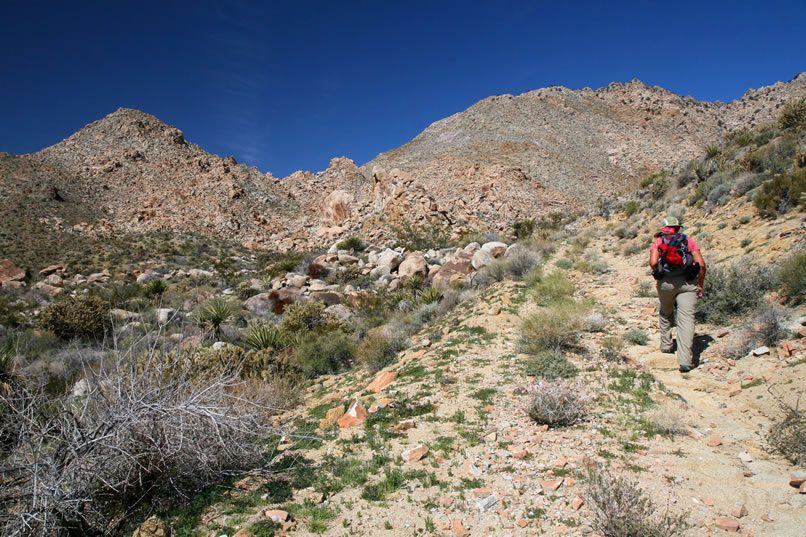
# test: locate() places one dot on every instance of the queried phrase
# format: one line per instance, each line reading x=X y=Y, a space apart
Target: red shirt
x=692 y=246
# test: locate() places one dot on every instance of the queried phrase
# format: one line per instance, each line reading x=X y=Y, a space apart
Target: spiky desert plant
x=260 y=335
x=431 y=295
x=213 y=314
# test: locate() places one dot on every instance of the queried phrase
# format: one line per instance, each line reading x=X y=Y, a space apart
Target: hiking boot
x=670 y=350
x=686 y=368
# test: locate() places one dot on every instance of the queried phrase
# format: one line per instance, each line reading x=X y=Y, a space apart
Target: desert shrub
x=595 y=322
x=555 y=328
x=621 y=509
x=645 y=289
x=155 y=288
x=304 y=316
x=557 y=403
x=140 y=439
x=781 y=193
x=423 y=236
x=324 y=352
x=632 y=207
x=632 y=248
x=212 y=315
x=769 y=327
x=636 y=337
x=550 y=365
x=788 y=435
x=793 y=114
x=523 y=229
x=520 y=264
x=278 y=264
x=350 y=274
x=76 y=317
x=263 y=335
x=665 y=421
x=556 y=286
x=379 y=350
x=792 y=275
x=564 y=263
x=733 y=290
x=350 y=243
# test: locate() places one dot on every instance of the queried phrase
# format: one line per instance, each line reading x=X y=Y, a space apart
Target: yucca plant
x=213 y=314
x=431 y=295
x=261 y=336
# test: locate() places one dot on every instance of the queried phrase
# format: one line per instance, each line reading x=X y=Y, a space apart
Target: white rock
x=495 y=248
x=148 y=276
x=745 y=457
x=481 y=259
x=514 y=249
x=473 y=246
x=486 y=503
x=164 y=315
x=380 y=270
x=761 y=350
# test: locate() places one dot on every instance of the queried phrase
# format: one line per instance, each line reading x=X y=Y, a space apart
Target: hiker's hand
x=699 y=291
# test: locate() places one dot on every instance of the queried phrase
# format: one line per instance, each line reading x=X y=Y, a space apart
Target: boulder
x=50 y=290
x=148 y=276
x=339 y=311
x=123 y=315
x=199 y=273
x=472 y=247
x=514 y=249
x=295 y=280
x=460 y=263
x=260 y=303
x=99 y=277
x=331 y=299
x=380 y=270
x=51 y=269
x=495 y=248
x=317 y=285
x=481 y=259
x=336 y=208
x=153 y=527
x=9 y=272
x=164 y=315
x=347 y=259
x=412 y=265
x=390 y=258
x=355 y=415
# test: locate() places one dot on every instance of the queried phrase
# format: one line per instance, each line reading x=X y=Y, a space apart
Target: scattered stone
x=561 y=462
x=355 y=415
x=748 y=473
x=486 y=503
x=797 y=479
x=459 y=530
x=494 y=248
x=481 y=259
x=738 y=510
x=148 y=276
x=54 y=280
x=405 y=425
x=445 y=501
x=551 y=484
x=380 y=403
x=577 y=503
x=276 y=515
x=471 y=470
x=9 y=272
x=51 y=269
x=416 y=453
x=714 y=441
x=164 y=315
x=745 y=457
x=761 y=350
x=382 y=380
x=413 y=265
x=727 y=523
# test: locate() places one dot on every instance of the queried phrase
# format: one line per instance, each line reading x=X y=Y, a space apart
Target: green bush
x=379 y=350
x=304 y=316
x=556 y=286
x=564 y=263
x=636 y=337
x=792 y=275
x=261 y=336
x=550 y=365
x=431 y=295
x=155 y=288
x=793 y=114
x=555 y=328
x=733 y=290
x=781 y=193
x=212 y=315
x=523 y=229
x=632 y=207
x=421 y=236
x=350 y=243
x=76 y=317
x=324 y=352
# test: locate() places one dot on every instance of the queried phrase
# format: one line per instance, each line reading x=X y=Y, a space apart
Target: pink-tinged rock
x=802 y=489
x=243 y=532
x=738 y=510
x=522 y=454
x=523 y=522
x=382 y=380
x=381 y=403
x=471 y=470
x=330 y=299
x=405 y=425
x=734 y=391
x=276 y=515
x=727 y=523
x=714 y=441
x=445 y=501
x=496 y=249
x=577 y=503
x=551 y=484
x=459 y=530
x=336 y=208
x=561 y=462
x=542 y=428
x=416 y=453
x=355 y=414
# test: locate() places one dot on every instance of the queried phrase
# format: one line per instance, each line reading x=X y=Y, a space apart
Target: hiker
x=679 y=269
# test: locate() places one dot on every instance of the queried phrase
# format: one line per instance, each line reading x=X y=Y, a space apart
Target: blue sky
x=288 y=85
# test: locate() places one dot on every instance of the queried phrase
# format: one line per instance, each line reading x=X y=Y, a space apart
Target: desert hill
x=504 y=159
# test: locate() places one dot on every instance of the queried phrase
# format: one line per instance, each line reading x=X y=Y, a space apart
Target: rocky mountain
x=505 y=158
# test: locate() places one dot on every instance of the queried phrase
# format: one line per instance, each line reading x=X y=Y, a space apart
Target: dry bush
x=133 y=438
x=666 y=421
x=621 y=509
x=555 y=328
x=557 y=403
x=788 y=435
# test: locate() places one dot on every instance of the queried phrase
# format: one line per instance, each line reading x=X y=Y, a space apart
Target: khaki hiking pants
x=677 y=294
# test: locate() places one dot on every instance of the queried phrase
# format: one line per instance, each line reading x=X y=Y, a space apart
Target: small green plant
x=770 y=327
x=261 y=335
x=744 y=220
x=430 y=296
x=636 y=337
x=564 y=263
x=78 y=317
x=550 y=365
x=555 y=329
x=379 y=350
x=324 y=352
x=523 y=229
x=393 y=479
x=792 y=275
x=793 y=114
x=350 y=243
x=304 y=316
x=556 y=286
x=733 y=290
x=711 y=151
x=645 y=289
x=781 y=193
x=212 y=315
x=155 y=288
